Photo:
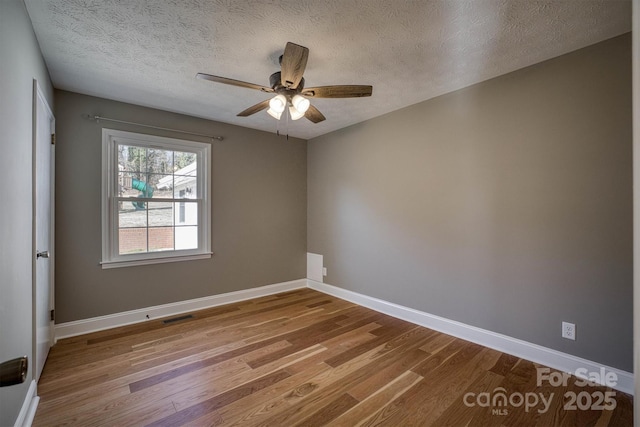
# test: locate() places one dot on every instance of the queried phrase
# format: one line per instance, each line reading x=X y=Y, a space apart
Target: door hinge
x=52 y=315
x=53 y=139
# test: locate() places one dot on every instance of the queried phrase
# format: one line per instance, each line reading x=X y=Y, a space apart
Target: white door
x=43 y=176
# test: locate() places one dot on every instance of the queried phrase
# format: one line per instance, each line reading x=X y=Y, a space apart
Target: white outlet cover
x=569 y=330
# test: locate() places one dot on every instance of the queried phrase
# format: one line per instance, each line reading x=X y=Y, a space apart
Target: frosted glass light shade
x=278 y=103
x=301 y=103
x=276 y=115
x=295 y=114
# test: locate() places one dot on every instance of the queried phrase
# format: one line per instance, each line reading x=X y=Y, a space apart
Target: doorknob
x=13 y=371
x=43 y=254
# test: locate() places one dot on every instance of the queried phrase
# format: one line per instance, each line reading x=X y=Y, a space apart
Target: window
x=155 y=199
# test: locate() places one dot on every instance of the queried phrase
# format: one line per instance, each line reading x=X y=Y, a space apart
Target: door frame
x=38 y=95
x=635 y=61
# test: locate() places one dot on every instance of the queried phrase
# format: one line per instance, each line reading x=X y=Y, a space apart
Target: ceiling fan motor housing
x=278 y=87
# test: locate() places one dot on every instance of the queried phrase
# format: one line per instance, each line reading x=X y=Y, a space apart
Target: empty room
x=310 y=213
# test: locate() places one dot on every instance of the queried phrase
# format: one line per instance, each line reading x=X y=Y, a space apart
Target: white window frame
x=110 y=256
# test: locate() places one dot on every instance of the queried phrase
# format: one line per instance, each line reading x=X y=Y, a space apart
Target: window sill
x=137 y=262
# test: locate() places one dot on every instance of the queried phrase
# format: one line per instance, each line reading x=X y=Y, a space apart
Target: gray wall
x=506 y=205
x=20 y=63
x=258 y=213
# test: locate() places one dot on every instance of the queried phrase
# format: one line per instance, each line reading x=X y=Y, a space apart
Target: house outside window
x=183 y=209
x=155 y=199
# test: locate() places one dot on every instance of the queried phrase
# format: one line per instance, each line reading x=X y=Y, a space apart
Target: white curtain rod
x=98 y=118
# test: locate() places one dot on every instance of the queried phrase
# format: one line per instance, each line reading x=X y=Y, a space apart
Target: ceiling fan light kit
x=300 y=103
x=295 y=114
x=275 y=114
x=288 y=85
x=278 y=103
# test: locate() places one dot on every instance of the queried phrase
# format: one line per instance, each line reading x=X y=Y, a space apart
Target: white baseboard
x=526 y=350
x=79 y=327
x=523 y=349
x=29 y=406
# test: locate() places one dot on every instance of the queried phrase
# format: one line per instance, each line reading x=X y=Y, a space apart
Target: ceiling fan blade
x=254 y=108
x=294 y=61
x=345 y=91
x=314 y=114
x=232 y=82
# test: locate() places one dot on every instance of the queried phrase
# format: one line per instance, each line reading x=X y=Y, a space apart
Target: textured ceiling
x=148 y=52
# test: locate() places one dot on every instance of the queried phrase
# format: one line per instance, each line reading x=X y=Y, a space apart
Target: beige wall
x=506 y=205
x=20 y=63
x=258 y=220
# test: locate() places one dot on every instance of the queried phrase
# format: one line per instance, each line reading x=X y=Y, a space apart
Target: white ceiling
x=148 y=52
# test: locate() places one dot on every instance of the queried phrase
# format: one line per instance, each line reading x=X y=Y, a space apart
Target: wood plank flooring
x=302 y=358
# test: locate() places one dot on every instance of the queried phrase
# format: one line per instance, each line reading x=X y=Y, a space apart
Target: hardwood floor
x=302 y=358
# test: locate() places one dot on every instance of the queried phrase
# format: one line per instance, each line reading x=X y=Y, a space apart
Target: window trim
x=110 y=256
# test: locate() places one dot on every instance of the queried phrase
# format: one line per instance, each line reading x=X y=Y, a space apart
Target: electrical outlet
x=569 y=331
x=324 y=271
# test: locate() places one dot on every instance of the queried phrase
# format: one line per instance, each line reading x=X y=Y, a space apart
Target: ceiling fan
x=288 y=85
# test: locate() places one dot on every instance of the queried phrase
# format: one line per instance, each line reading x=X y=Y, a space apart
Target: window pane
x=185 y=178
x=185 y=188
x=189 y=170
x=134 y=184
x=159 y=161
x=160 y=239
x=132 y=214
x=132 y=159
x=161 y=185
x=182 y=213
x=186 y=237
x=186 y=213
x=184 y=163
x=160 y=214
x=132 y=240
